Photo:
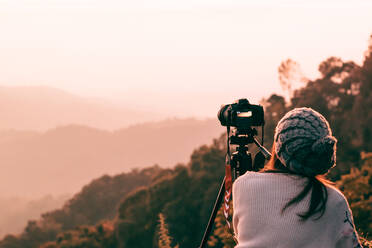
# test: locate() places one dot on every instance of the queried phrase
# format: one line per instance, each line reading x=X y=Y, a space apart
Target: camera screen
x=244 y=114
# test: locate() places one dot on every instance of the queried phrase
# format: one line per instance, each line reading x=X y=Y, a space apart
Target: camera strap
x=228 y=182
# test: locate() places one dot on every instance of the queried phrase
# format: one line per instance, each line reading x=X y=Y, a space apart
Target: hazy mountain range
x=52 y=143
x=42 y=108
x=15 y=212
x=61 y=159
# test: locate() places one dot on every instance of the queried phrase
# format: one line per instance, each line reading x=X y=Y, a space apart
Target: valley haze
x=54 y=142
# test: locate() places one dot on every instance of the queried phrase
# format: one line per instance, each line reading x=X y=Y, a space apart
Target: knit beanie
x=304 y=142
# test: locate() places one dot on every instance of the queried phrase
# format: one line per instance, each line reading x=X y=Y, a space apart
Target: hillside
x=95 y=202
x=43 y=162
x=42 y=108
x=183 y=196
x=15 y=211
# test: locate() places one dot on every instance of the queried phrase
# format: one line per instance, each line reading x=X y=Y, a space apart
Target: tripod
x=241 y=162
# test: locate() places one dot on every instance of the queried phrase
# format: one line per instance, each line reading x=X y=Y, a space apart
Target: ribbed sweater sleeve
x=348 y=236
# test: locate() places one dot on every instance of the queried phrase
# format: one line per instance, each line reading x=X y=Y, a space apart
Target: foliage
x=165 y=240
x=104 y=194
x=275 y=108
x=34 y=234
x=357 y=187
x=289 y=74
x=365 y=243
x=97 y=201
x=184 y=197
x=98 y=236
x=222 y=235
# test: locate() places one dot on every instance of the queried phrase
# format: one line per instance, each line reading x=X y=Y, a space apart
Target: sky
x=182 y=58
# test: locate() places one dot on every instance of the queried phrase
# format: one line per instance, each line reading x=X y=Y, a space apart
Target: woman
x=289 y=203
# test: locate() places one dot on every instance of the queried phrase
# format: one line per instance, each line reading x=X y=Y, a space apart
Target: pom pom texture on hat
x=304 y=142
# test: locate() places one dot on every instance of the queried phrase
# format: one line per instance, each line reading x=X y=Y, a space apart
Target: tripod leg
x=213 y=214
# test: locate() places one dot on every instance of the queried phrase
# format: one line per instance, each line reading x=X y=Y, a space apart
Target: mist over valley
x=52 y=143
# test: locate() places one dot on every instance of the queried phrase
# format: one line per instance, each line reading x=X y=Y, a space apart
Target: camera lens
x=223 y=115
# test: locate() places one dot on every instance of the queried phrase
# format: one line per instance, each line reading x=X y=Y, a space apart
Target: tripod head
x=242 y=137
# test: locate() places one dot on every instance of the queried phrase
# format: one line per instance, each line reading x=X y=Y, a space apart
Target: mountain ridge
x=42 y=161
x=41 y=108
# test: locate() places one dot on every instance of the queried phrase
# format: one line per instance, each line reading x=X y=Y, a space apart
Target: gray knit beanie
x=304 y=142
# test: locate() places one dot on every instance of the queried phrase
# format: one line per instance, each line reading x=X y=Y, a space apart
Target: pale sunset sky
x=180 y=57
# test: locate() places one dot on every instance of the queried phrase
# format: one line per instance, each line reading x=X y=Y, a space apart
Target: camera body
x=241 y=115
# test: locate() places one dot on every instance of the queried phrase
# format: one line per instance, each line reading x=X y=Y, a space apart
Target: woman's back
x=259 y=199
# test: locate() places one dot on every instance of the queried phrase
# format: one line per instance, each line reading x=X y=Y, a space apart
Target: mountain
x=104 y=200
x=95 y=202
x=15 y=211
x=63 y=159
x=142 y=207
x=41 y=108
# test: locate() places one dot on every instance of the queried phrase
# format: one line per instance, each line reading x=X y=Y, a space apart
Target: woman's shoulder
x=336 y=197
x=264 y=180
x=262 y=176
x=249 y=176
x=249 y=179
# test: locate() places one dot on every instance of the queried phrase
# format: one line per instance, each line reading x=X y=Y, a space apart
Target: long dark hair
x=316 y=185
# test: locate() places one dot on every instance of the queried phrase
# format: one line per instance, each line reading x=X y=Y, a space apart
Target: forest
x=157 y=207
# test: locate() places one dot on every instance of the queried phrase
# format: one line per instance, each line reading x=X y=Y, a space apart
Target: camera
x=241 y=114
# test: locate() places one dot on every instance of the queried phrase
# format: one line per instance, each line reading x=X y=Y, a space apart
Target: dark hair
x=316 y=185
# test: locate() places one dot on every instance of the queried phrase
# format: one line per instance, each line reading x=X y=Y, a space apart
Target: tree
x=357 y=187
x=290 y=76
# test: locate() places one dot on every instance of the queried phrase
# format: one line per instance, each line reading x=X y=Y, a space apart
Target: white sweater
x=258 y=199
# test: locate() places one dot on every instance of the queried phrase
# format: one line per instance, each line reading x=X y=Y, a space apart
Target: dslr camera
x=241 y=115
